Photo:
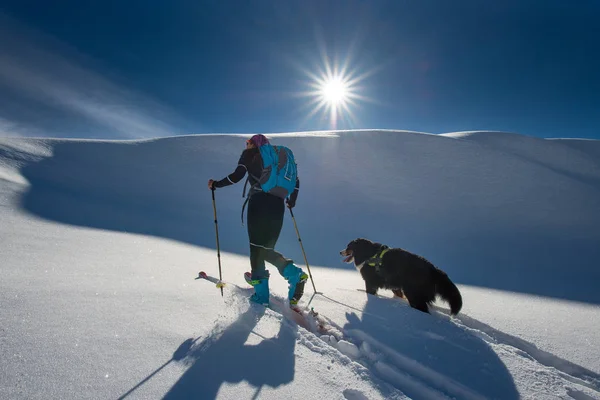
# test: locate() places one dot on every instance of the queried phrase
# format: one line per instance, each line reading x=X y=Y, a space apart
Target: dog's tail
x=448 y=291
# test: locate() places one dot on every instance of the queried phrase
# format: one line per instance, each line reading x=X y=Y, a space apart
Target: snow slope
x=101 y=242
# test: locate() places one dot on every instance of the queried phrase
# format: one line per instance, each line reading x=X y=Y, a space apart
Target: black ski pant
x=265 y=220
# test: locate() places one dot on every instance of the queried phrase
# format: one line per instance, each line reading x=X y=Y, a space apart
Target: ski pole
x=303 y=252
x=217 y=232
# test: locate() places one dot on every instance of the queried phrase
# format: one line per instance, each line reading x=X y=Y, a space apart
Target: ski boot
x=261 y=289
x=296 y=278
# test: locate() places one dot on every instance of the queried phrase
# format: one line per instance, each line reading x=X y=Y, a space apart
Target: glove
x=211 y=184
x=290 y=203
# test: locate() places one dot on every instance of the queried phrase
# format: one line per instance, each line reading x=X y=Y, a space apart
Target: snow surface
x=101 y=242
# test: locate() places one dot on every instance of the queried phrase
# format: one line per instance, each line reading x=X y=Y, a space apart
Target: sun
x=334 y=91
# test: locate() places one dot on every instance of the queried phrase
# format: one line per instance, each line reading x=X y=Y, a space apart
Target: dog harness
x=375 y=261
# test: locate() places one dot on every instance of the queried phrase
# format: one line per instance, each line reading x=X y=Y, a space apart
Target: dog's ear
x=356 y=242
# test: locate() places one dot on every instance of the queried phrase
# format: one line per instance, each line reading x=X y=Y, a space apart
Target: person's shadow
x=227 y=358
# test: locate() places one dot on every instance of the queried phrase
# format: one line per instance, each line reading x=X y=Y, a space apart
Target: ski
x=218 y=283
x=308 y=319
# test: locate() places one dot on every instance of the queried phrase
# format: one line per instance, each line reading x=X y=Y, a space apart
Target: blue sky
x=129 y=69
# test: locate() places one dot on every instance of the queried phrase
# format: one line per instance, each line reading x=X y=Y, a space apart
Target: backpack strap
x=250 y=193
x=245 y=184
x=243 y=208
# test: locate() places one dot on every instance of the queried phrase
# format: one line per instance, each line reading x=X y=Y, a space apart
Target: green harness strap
x=375 y=261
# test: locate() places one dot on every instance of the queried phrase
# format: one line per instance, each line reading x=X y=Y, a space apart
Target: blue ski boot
x=296 y=278
x=261 y=289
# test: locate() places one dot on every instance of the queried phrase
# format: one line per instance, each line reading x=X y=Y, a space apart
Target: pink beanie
x=259 y=140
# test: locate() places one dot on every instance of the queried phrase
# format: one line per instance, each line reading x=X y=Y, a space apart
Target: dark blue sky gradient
x=237 y=66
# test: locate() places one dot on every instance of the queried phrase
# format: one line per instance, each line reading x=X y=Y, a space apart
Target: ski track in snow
x=570 y=372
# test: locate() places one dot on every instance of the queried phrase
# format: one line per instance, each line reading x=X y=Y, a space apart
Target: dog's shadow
x=432 y=351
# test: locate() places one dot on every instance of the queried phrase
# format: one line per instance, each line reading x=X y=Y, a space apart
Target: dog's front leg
x=371 y=289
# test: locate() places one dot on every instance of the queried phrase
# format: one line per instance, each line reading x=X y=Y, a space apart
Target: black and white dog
x=406 y=274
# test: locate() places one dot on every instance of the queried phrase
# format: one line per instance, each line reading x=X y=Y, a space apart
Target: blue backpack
x=279 y=170
x=278 y=175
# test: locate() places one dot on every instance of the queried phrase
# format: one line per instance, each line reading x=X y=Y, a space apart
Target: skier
x=265 y=220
